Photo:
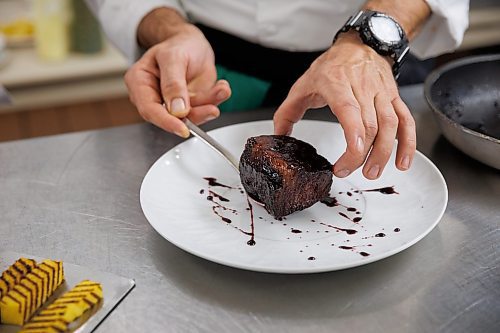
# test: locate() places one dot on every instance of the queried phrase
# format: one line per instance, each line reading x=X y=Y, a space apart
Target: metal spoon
x=212 y=143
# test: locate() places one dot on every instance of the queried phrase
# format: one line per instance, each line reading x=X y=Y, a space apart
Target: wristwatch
x=382 y=33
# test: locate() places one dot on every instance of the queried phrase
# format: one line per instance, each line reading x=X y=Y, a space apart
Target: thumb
x=173 y=84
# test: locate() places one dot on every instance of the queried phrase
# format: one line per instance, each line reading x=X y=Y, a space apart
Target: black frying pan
x=465 y=98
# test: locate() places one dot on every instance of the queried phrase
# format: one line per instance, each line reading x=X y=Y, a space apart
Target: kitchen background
x=63 y=75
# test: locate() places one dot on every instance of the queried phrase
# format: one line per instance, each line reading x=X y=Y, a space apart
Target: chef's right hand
x=178 y=70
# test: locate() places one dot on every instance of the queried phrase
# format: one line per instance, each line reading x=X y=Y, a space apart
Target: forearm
x=159 y=25
x=411 y=14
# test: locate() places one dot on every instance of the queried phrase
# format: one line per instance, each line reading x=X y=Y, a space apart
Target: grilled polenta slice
x=58 y=316
x=19 y=304
x=14 y=274
x=56 y=326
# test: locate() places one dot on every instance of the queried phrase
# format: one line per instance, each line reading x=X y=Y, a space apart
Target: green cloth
x=247 y=92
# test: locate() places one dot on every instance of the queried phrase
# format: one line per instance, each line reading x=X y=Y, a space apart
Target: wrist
x=161 y=24
x=353 y=43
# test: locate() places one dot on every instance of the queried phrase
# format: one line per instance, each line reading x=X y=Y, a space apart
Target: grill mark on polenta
x=12 y=277
x=70 y=306
x=22 y=307
x=27 y=263
x=54 y=307
x=68 y=302
x=44 y=326
x=43 y=280
x=48 y=284
x=30 y=278
x=17 y=269
x=30 y=291
x=30 y=288
x=21 y=289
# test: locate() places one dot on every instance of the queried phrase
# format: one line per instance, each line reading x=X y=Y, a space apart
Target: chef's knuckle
x=385 y=151
x=407 y=121
x=389 y=120
x=162 y=51
x=348 y=106
x=143 y=112
x=392 y=90
x=335 y=74
x=371 y=127
x=172 y=87
x=130 y=75
x=411 y=143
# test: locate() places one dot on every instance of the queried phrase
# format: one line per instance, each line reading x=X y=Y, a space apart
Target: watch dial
x=384 y=29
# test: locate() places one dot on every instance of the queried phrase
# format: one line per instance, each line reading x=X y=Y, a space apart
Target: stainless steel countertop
x=75 y=197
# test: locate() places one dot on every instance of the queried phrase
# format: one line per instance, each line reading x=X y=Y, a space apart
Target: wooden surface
x=71 y=118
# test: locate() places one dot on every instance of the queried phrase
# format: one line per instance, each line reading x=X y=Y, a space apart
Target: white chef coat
x=292 y=25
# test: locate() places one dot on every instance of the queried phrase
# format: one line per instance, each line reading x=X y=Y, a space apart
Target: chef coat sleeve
x=444 y=30
x=120 y=20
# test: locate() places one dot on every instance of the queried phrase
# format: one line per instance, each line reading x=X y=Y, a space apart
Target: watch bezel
x=396 y=50
x=390 y=19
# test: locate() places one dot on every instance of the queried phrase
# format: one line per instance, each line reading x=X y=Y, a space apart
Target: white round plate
x=174 y=200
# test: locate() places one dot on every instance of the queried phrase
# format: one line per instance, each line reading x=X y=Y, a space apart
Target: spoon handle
x=203 y=136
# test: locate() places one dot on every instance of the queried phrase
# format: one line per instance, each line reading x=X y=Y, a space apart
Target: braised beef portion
x=284 y=173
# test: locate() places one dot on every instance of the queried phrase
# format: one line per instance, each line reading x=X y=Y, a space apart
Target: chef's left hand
x=358 y=86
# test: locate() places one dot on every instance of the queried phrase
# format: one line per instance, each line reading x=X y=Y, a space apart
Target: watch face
x=385 y=29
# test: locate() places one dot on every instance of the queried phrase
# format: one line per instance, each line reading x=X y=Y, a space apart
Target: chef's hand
x=358 y=86
x=179 y=70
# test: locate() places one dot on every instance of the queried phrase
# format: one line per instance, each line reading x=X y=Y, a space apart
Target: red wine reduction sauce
x=379 y=235
x=333 y=202
x=347 y=231
x=251 y=242
x=213 y=182
x=329 y=201
x=383 y=190
x=355 y=220
x=218 y=205
x=213 y=195
x=353 y=248
x=218 y=196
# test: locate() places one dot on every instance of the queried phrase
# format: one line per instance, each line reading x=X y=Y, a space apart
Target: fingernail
x=210 y=117
x=221 y=95
x=343 y=173
x=405 y=162
x=177 y=106
x=360 y=146
x=373 y=172
x=183 y=132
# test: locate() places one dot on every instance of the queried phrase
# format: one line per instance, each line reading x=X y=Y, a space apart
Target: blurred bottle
x=86 y=34
x=52 y=19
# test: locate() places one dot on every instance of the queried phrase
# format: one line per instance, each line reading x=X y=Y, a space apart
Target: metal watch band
x=396 y=53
